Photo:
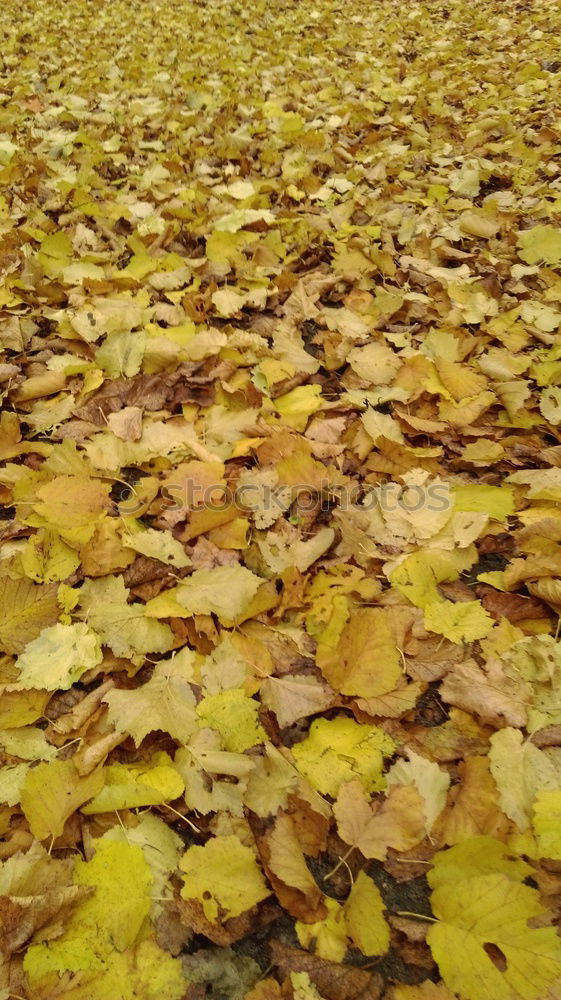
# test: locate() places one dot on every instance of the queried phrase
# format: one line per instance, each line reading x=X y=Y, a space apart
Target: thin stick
x=181 y=816
x=341 y=861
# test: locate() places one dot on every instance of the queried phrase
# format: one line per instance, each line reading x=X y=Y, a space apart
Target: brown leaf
x=295 y=697
x=150 y=392
x=191 y=914
x=286 y=869
x=334 y=982
x=126 y=424
x=514 y=607
x=83 y=710
x=475 y=810
x=488 y=692
x=21 y=917
x=398 y=821
x=171 y=933
x=310 y=826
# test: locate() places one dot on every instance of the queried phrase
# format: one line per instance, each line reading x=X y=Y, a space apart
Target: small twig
x=418 y=916
x=341 y=861
x=181 y=816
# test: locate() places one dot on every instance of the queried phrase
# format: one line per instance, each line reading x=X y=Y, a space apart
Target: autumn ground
x=281 y=538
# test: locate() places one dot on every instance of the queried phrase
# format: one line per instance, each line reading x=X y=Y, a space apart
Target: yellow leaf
x=521 y=770
x=58 y=657
x=25 y=609
x=225 y=591
x=547 y=823
x=475 y=857
x=224 y=876
x=127 y=787
x=55 y=253
x=364 y=917
x=12 y=778
x=464 y=621
x=287 y=861
x=71 y=505
x=47 y=558
x=492 y=910
x=327 y=938
x=235 y=717
x=20 y=708
x=540 y=244
x=339 y=749
x=431 y=782
x=460 y=380
x=124 y=627
x=104 y=949
x=550 y=405
x=52 y=791
x=298 y=405
x=425 y=991
x=165 y=702
x=365 y=661
x=496 y=501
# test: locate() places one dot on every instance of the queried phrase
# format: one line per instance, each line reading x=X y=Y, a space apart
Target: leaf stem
x=418 y=916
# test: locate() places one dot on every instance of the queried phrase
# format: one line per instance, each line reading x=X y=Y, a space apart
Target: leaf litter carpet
x=280 y=574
